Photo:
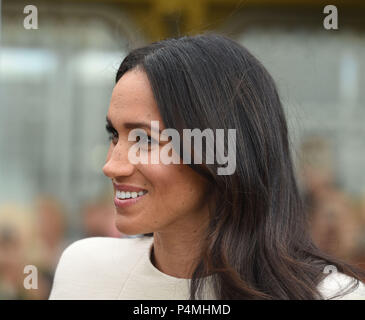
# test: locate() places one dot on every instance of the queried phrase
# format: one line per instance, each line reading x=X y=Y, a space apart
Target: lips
x=123 y=203
x=126 y=187
x=123 y=188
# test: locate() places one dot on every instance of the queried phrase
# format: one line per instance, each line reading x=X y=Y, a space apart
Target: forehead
x=132 y=99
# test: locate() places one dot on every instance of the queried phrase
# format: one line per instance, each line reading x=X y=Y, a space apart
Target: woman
x=242 y=235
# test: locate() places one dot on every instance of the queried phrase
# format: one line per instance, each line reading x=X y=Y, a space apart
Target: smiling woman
x=175 y=196
x=237 y=236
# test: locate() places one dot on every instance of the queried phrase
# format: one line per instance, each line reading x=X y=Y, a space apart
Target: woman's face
x=177 y=197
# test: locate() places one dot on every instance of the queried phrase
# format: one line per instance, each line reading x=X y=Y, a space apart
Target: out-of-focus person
x=50 y=228
x=360 y=252
x=333 y=217
x=12 y=259
x=17 y=250
x=99 y=220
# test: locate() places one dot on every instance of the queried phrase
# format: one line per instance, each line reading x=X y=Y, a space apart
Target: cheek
x=176 y=188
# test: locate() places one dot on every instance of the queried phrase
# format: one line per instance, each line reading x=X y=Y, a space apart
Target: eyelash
x=112 y=134
x=150 y=140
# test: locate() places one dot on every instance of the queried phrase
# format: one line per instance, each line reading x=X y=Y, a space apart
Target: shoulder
x=103 y=249
x=339 y=286
x=96 y=263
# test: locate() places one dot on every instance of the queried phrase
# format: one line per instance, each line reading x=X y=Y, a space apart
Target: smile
x=125 y=198
x=128 y=194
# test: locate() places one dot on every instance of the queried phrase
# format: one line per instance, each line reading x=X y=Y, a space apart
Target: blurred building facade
x=56 y=84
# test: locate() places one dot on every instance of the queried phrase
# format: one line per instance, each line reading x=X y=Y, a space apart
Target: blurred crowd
x=38 y=235
x=337 y=219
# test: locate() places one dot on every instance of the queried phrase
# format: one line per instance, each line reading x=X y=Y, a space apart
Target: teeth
x=128 y=194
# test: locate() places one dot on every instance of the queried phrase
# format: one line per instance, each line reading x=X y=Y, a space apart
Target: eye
x=144 y=141
x=147 y=140
x=112 y=134
x=113 y=138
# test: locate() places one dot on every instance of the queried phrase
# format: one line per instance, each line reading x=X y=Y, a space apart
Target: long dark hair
x=257 y=244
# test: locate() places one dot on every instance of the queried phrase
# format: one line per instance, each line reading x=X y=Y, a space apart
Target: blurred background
x=55 y=88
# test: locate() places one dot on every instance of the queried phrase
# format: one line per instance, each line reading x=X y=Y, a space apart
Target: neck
x=177 y=252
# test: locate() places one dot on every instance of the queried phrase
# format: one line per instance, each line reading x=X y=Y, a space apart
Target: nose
x=117 y=163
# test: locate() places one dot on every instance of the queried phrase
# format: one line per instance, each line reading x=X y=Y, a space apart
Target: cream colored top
x=112 y=268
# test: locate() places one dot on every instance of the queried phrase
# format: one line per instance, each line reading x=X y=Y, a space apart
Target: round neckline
x=157 y=271
x=160 y=273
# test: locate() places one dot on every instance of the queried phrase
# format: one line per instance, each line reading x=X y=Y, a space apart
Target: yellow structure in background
x=160 y=19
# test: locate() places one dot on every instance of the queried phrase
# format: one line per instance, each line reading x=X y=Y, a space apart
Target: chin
x=130 y=229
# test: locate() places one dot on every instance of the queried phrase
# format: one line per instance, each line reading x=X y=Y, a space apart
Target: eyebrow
x=133 y=125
